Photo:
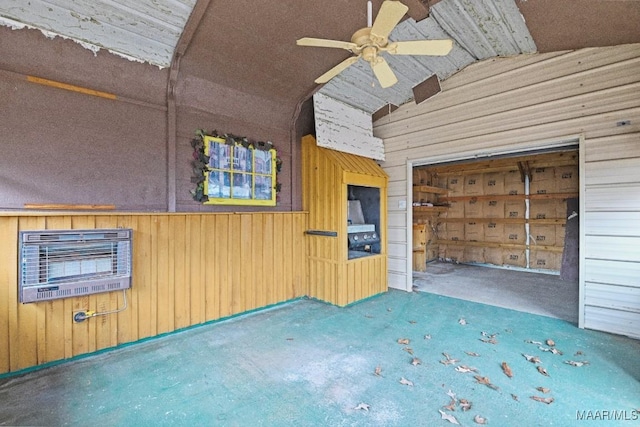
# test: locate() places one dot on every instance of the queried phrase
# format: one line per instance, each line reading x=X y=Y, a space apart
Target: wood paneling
x=330 y=275
x=187 y=269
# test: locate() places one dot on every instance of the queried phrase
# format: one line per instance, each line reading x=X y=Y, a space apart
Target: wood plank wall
x=188 y=269
x=330 y=275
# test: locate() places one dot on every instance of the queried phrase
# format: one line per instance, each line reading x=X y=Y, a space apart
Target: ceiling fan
x=368 y=42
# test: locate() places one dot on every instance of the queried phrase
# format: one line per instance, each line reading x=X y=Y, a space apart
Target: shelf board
x=429 y=209
x=556 y=249
x=430 y=189
x=545 y=221
x=549 y=196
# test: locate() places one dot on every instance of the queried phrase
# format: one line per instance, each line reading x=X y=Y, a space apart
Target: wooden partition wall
x=326 y=174
x=187 y=269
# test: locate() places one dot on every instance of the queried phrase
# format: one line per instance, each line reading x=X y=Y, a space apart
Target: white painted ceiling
x=146 y=30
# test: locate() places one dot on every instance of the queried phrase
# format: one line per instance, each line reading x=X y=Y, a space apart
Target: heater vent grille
x=65 y=263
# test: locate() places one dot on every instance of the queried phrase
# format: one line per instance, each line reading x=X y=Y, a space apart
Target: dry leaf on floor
x=485 y=381
x=546 y=400
x=543 y=371
x=465 y=369
x=368 y=316
x=486 y=334
x=550 y=342
x=416 y=361
x=473 y=354
x=515 y=397
x=489 y=341
x=543 y=389
x=465 y=405
x=577 y=364
x=405 y=381
x=579 y=353
x=462 y=321
x=448 y=417
x=413 y=322
x=363 y=406
x=378 y=371
x=479 y=420
x=451 y=395
x=533 y=342
x=451 y=406
x=427 y=337
x=404 y=341
x=408 y=350
x=449 y=360
x=532 y=359
x=550 y=350
x=507 y=370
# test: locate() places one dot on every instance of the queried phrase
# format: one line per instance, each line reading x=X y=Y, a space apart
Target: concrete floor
x=306 y=363
x=531 y=292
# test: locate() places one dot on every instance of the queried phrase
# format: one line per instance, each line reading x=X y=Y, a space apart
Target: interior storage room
x=364 y=213
x=510 y=213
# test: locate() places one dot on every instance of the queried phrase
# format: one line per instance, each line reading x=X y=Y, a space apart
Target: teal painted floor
x=306 y=363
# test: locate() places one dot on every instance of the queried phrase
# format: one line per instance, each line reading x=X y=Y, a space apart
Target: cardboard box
x=473 y=208
x=544 y=235
x=513 y=182
x=493 y=256
x=546 y=209
x=493 y=208
x=473 y=185
x=455 y=231
x=493 y=232
x=493 y=183
x=514 y=234
x=474 y=231
x=455 y=185
x=542 y=181
x=514 y=209
x=514 y=257
x=456 y=209
x=544 y=260
x=474 y=254
x=567 y=180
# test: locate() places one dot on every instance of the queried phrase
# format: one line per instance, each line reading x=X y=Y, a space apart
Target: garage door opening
x=515 y=214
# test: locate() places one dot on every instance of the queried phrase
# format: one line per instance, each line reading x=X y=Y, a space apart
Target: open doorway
x=516 y=214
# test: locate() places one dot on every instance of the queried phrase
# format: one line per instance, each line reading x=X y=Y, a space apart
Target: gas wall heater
x=69 y=263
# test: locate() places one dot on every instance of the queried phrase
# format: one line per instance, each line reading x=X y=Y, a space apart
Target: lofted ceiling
x=250 y=46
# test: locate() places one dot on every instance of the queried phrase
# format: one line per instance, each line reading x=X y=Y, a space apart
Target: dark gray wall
x=63 y=147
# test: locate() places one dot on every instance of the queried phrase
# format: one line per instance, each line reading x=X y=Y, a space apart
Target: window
x=239 y=175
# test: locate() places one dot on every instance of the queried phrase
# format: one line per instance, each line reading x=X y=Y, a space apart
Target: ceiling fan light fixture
x=368 y=42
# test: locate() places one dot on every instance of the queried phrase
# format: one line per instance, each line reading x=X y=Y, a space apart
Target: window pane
x=242 y=184
x=263 y=187
x=219 y=184
x=263 y=162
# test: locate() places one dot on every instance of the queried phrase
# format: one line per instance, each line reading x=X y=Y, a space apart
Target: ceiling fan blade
x=383 y=72
x=420 y=47
x=310 y=41
x=337 y=69
x=391 y=12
